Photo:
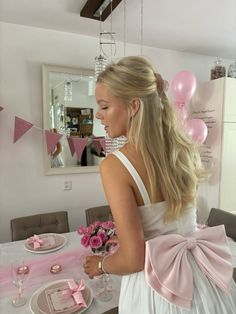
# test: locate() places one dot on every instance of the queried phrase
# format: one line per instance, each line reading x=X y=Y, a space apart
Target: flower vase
x=96 y=236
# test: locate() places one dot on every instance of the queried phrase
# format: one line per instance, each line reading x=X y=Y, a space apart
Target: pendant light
x=105 y=38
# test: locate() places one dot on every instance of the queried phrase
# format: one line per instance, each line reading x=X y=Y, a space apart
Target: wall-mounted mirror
x=69 y=108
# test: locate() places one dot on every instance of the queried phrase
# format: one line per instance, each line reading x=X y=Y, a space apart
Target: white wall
x=24 y=189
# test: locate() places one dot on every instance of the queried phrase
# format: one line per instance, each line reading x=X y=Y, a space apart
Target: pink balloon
x=197 y=130
x=183 y=87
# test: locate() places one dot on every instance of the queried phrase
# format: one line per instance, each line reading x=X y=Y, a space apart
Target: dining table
x=69 y=257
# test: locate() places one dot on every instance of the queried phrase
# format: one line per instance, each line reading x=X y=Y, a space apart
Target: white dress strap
x=134 y=174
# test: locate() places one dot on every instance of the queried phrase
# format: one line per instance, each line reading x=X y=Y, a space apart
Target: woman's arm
x=129 y=258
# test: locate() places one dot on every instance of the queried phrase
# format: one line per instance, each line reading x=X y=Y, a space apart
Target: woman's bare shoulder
x=111 y=163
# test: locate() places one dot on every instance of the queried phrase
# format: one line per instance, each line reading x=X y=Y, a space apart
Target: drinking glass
x=106 y=293
x=18 y=270
x=103 y=283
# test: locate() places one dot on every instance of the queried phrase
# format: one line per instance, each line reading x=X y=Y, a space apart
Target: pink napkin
x=75 y=291
x=36 y=241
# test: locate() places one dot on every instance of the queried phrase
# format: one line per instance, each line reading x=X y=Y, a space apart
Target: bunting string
x=76 y=144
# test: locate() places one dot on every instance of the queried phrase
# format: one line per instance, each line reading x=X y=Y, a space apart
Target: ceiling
x=205 y=27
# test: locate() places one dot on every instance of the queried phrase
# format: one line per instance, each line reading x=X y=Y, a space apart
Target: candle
x=55 y=269
x=23 y=270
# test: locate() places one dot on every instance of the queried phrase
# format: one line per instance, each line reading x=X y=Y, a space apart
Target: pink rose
x=90 y=229
x=108 y=225
x=97 y=224
x=102 y=234
x=95 y=242
x=85 y=240
x=80 y=230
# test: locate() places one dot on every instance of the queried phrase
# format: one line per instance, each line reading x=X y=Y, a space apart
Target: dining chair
x=222 y=217
x=99 y=213
x=112 y=311
x=24 y=227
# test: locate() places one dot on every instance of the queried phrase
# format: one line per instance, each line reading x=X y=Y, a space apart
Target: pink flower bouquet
x=96 y=235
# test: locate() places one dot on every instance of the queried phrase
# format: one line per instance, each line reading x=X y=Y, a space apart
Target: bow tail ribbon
x=216 y=264
x=75 y=291
x=36 y=241
x=169 y=273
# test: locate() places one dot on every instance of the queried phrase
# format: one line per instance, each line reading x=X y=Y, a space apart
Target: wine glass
x=19 y=271
x=103 y=282
x=106 y=293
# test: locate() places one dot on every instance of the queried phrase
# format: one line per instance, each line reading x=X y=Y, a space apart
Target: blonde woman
x=150 y=185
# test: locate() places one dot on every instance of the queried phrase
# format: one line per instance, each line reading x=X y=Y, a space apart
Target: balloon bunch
x=183 y=87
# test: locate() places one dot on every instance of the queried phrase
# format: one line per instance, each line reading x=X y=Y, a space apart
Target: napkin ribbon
x=36 y=241
x=168 y=270
x=75 y=291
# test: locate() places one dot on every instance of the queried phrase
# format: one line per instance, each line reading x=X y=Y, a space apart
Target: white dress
x=138 y=297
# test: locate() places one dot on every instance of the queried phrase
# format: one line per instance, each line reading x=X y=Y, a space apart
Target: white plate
x=33 y=304
x=59 y=237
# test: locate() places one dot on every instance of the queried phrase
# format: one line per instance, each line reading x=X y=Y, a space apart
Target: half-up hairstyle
x=171 y=158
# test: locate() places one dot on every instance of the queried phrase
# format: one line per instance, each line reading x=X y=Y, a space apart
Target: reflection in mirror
x=69 y=110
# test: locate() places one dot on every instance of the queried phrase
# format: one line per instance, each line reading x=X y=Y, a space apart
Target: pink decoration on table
x=99 y=144
x=1 y=108
x=197 y=130
x=96 y=235
x=75 y=291
x=21 y=127
x=183 y=87
x=52 y=139
x=77 y=145
x=71 y=262
x=36 y=241
x=169 y=273
x=55 y=269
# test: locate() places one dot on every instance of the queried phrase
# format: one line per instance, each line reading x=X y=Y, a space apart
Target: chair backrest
x=100 y=213
x=112 y=311
x=222 y=217
x=219 y=217
x=24 y=227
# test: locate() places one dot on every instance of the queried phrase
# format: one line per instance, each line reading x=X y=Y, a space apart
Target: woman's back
x=137 y=294
x=152 y=214
x=136 y=160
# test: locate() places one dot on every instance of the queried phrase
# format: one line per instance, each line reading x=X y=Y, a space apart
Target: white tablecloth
x=232 y=246
x=15 y=250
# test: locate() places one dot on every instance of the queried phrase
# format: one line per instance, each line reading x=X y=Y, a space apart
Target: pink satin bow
x=169 y=273
x=75 y=291
x=36 y=241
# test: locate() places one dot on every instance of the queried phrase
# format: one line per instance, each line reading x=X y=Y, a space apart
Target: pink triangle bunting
x=21 y=127
x=99 y=144
x=79 y=145
x=52 y=139
x=1 y=108
x=71 y=145
x=103 y=143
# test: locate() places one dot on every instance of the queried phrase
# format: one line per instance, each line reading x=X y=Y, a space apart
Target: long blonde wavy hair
x=172 y=160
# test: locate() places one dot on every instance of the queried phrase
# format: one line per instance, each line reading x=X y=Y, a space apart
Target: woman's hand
x=91 y=266
x=113 y=240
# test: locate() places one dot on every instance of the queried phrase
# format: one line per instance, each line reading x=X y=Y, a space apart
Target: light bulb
x=100 y=65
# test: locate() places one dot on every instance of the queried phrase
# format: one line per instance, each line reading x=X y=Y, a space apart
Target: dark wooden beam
x=91 y=6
